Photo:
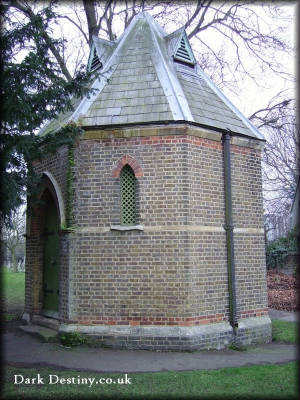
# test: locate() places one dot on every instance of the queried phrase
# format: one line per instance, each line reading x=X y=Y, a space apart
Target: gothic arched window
x=128 y=196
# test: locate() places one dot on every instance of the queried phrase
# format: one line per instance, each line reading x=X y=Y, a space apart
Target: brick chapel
x=166 y=245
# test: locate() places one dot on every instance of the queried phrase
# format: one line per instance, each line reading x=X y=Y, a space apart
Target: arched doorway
x=51 y=250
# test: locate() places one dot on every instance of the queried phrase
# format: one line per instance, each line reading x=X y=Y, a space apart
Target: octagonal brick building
x=165 y=249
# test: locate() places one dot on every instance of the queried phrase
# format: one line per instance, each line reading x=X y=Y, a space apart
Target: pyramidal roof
x=148 y=76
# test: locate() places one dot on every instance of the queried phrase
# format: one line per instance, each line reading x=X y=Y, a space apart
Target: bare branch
x=30 y=14
x=77 y=26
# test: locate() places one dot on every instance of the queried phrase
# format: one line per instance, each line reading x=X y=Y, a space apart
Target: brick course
x=174 y=272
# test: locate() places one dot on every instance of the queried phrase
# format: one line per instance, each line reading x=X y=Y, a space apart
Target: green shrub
x=277 y=250
x=71 y=339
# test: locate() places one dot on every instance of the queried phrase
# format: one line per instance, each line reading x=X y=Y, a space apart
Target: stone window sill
x=126 y=228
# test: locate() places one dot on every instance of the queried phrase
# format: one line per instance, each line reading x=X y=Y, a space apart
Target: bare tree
x=12 y=237
x=276 y=114
x=242 y=32
x=245 y=39
x=245 y=36
x=281 y=154
x=248 y=38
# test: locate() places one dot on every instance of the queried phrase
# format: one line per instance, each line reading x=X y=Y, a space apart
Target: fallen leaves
x=283 y=291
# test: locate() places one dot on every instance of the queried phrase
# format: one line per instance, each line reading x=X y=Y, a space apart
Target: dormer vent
x=95 y=63
x=184 y=52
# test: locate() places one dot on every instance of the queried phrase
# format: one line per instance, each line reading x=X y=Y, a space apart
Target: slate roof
x=141 y=81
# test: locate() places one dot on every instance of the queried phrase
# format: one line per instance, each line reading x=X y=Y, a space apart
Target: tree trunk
x=2 y=254
x=90 y=13
x=14 y=265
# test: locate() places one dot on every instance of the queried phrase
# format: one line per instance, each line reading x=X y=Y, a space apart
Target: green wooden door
x=51 y=261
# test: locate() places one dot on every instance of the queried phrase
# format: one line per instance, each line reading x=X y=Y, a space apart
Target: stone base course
x=212 y=336
x=254 y=330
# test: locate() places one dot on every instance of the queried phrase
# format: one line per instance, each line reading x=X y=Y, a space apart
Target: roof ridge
x=149 y=18
x=169 y=81
x=142 y=80
x=108 y=68
x=104 y=41
x=174 y=33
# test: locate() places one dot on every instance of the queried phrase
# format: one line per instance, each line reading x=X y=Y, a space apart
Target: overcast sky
x=246 y=96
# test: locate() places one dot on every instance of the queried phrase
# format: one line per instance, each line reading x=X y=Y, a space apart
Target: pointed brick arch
x=134 y=164
x=57 y=195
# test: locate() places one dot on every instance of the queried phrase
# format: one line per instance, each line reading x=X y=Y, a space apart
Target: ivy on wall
x=70 y=188
x=49 y=144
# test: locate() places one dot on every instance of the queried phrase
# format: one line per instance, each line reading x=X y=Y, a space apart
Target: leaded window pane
x=128 y=196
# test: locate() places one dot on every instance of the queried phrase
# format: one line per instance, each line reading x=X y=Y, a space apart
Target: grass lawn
x=284 y=331
x=13 y=286
x=261 y=381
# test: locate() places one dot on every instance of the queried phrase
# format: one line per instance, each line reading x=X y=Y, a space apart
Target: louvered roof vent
x=95 y=62
x=183 y=51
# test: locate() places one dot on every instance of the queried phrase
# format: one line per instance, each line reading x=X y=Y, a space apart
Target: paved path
x=283 y=315
x=23 y=350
